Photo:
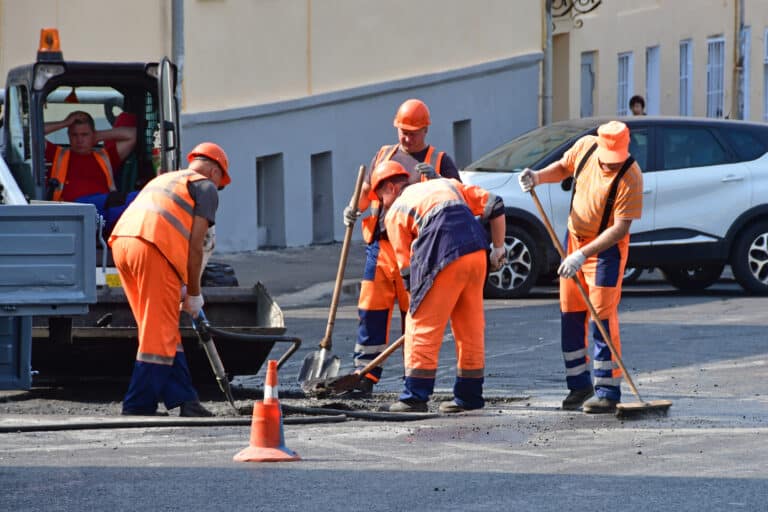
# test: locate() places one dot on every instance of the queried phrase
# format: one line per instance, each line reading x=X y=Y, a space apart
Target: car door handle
x=732 y=177
x=647 y=191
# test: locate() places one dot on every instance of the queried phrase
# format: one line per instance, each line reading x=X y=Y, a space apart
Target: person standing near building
x=637 y=105
x=440 y=249
x=607 y=197
x=381 y=285
x=158 y=249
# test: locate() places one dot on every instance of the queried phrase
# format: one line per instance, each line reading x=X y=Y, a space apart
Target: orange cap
x=412 y=115
x=613 y=142
x=382 y=172
x=213 y=152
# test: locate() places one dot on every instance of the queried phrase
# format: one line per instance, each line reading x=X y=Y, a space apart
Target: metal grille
x=715 y=76
x=624 y=84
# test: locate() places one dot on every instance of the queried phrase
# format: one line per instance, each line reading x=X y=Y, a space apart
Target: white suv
x=705 y=200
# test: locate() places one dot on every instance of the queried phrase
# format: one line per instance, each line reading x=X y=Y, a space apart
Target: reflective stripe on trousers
x=602 y=280
x=456 y=295
x=380 y=288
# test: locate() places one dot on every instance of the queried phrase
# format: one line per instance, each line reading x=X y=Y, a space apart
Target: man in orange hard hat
x=381 y=285
x=158 y=248
x=607 y=197
x=440 y=252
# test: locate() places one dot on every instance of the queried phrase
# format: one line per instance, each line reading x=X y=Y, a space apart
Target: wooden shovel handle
x=327 y=342
x=383 y=356
x=584 y=295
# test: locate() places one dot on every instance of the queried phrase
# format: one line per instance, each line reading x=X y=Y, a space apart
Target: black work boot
x=600 y=406
x=576 y=398
x=194 y=409
x=409 y=405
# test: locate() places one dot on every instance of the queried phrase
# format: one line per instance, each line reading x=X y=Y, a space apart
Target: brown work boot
x=452 y=407
x=576 y=398
x=194 y=409
x=600 y=406
x=409 y=405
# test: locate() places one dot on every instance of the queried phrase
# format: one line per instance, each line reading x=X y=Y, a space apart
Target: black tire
x=218 y=274
x=693 y=278
x=518 y=274
x=631 y=274
x=749 y=260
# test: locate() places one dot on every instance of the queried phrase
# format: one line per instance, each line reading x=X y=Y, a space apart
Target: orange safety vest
x=386 y=153
x=61 y=166
x=162 y=214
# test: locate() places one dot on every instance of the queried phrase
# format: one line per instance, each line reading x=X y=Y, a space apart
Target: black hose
x=160 y=422
x=363 y=415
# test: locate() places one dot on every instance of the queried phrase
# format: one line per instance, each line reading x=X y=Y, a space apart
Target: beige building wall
x=634 y=25
x=245 y=52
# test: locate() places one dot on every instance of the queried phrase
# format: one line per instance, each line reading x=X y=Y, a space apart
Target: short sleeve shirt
x=593 y=188
x=84 y=176
x=206 y=199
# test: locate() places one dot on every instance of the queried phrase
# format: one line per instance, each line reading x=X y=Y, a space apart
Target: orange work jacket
x=162 y=214
x=60 y=167
x=433 y=158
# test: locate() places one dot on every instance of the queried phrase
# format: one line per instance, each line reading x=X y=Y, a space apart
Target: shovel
x=623 y=409
x=337 y=385
x=321 y=364
x=201 y=327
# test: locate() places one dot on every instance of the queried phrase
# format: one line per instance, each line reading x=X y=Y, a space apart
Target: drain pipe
x=546 y=71
x=177 y=45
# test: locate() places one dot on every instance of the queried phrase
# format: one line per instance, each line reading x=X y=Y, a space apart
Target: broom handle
x=585 y=296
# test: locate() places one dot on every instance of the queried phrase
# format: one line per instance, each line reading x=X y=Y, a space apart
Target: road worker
x=440 y=249
x=158 y=248
x=381 y=284
x=607 y=196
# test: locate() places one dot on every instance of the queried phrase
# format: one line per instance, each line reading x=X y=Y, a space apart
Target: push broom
x=623 y=410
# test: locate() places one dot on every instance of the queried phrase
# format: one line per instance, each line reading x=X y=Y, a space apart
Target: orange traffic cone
x=267 y=443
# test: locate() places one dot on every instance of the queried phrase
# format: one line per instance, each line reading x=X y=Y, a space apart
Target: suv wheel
x=693 y=278
x=750 y=259
x=518 y=274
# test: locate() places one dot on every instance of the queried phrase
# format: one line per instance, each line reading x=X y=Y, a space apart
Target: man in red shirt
x=83 y=169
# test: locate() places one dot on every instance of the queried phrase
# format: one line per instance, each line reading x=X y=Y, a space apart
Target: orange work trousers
x=601 y=276
x=456 y=295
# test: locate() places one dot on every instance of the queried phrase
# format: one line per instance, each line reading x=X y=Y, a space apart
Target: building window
x=744 y=89
x=652 y=81
x=588 y=78
x=624 y=83
x=765 y=76
x=686 y=78
x=715 y=76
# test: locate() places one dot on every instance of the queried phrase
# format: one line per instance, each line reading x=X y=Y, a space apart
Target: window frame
x=715 y=77
x=685 y=77
x=624 y=82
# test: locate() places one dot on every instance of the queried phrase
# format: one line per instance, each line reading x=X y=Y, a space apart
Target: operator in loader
x=381 y=284
x=440 y=249
x=607 y=196
x=86 y=173
x=158 y=249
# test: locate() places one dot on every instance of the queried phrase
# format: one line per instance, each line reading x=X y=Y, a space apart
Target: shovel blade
x=323 y=388
x=319 y=365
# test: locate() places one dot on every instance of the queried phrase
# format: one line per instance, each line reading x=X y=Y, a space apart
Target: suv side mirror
x=567 y=183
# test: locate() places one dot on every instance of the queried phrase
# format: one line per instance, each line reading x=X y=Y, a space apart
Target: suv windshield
x=529 y=148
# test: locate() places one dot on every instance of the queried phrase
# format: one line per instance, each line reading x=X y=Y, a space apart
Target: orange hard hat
x=382 y=172
x=213 y=152
x=412 y=115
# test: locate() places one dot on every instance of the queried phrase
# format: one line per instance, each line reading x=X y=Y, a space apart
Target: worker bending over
x=381 y=285
x=440 y=249
x=607 y=196
x=158 y=248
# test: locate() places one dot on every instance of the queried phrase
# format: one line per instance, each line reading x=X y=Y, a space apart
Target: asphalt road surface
x=706 y=352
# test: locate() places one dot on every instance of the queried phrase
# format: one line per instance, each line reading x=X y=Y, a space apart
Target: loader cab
x=49 y=89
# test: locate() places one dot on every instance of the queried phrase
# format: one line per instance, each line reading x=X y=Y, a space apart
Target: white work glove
x=571 y=264
x=527 y=179
x=498 y=255
x=193 y=304
x=350 y=216
x=426 y=171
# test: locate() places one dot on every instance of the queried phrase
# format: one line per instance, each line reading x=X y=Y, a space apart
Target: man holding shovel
x=381 y=285
x=607 y=196
x=440 y=249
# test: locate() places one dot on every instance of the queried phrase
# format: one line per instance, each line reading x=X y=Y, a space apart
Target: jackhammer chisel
x=201 y=327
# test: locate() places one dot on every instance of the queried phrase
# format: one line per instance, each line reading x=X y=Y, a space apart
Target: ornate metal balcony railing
x=573 y=9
